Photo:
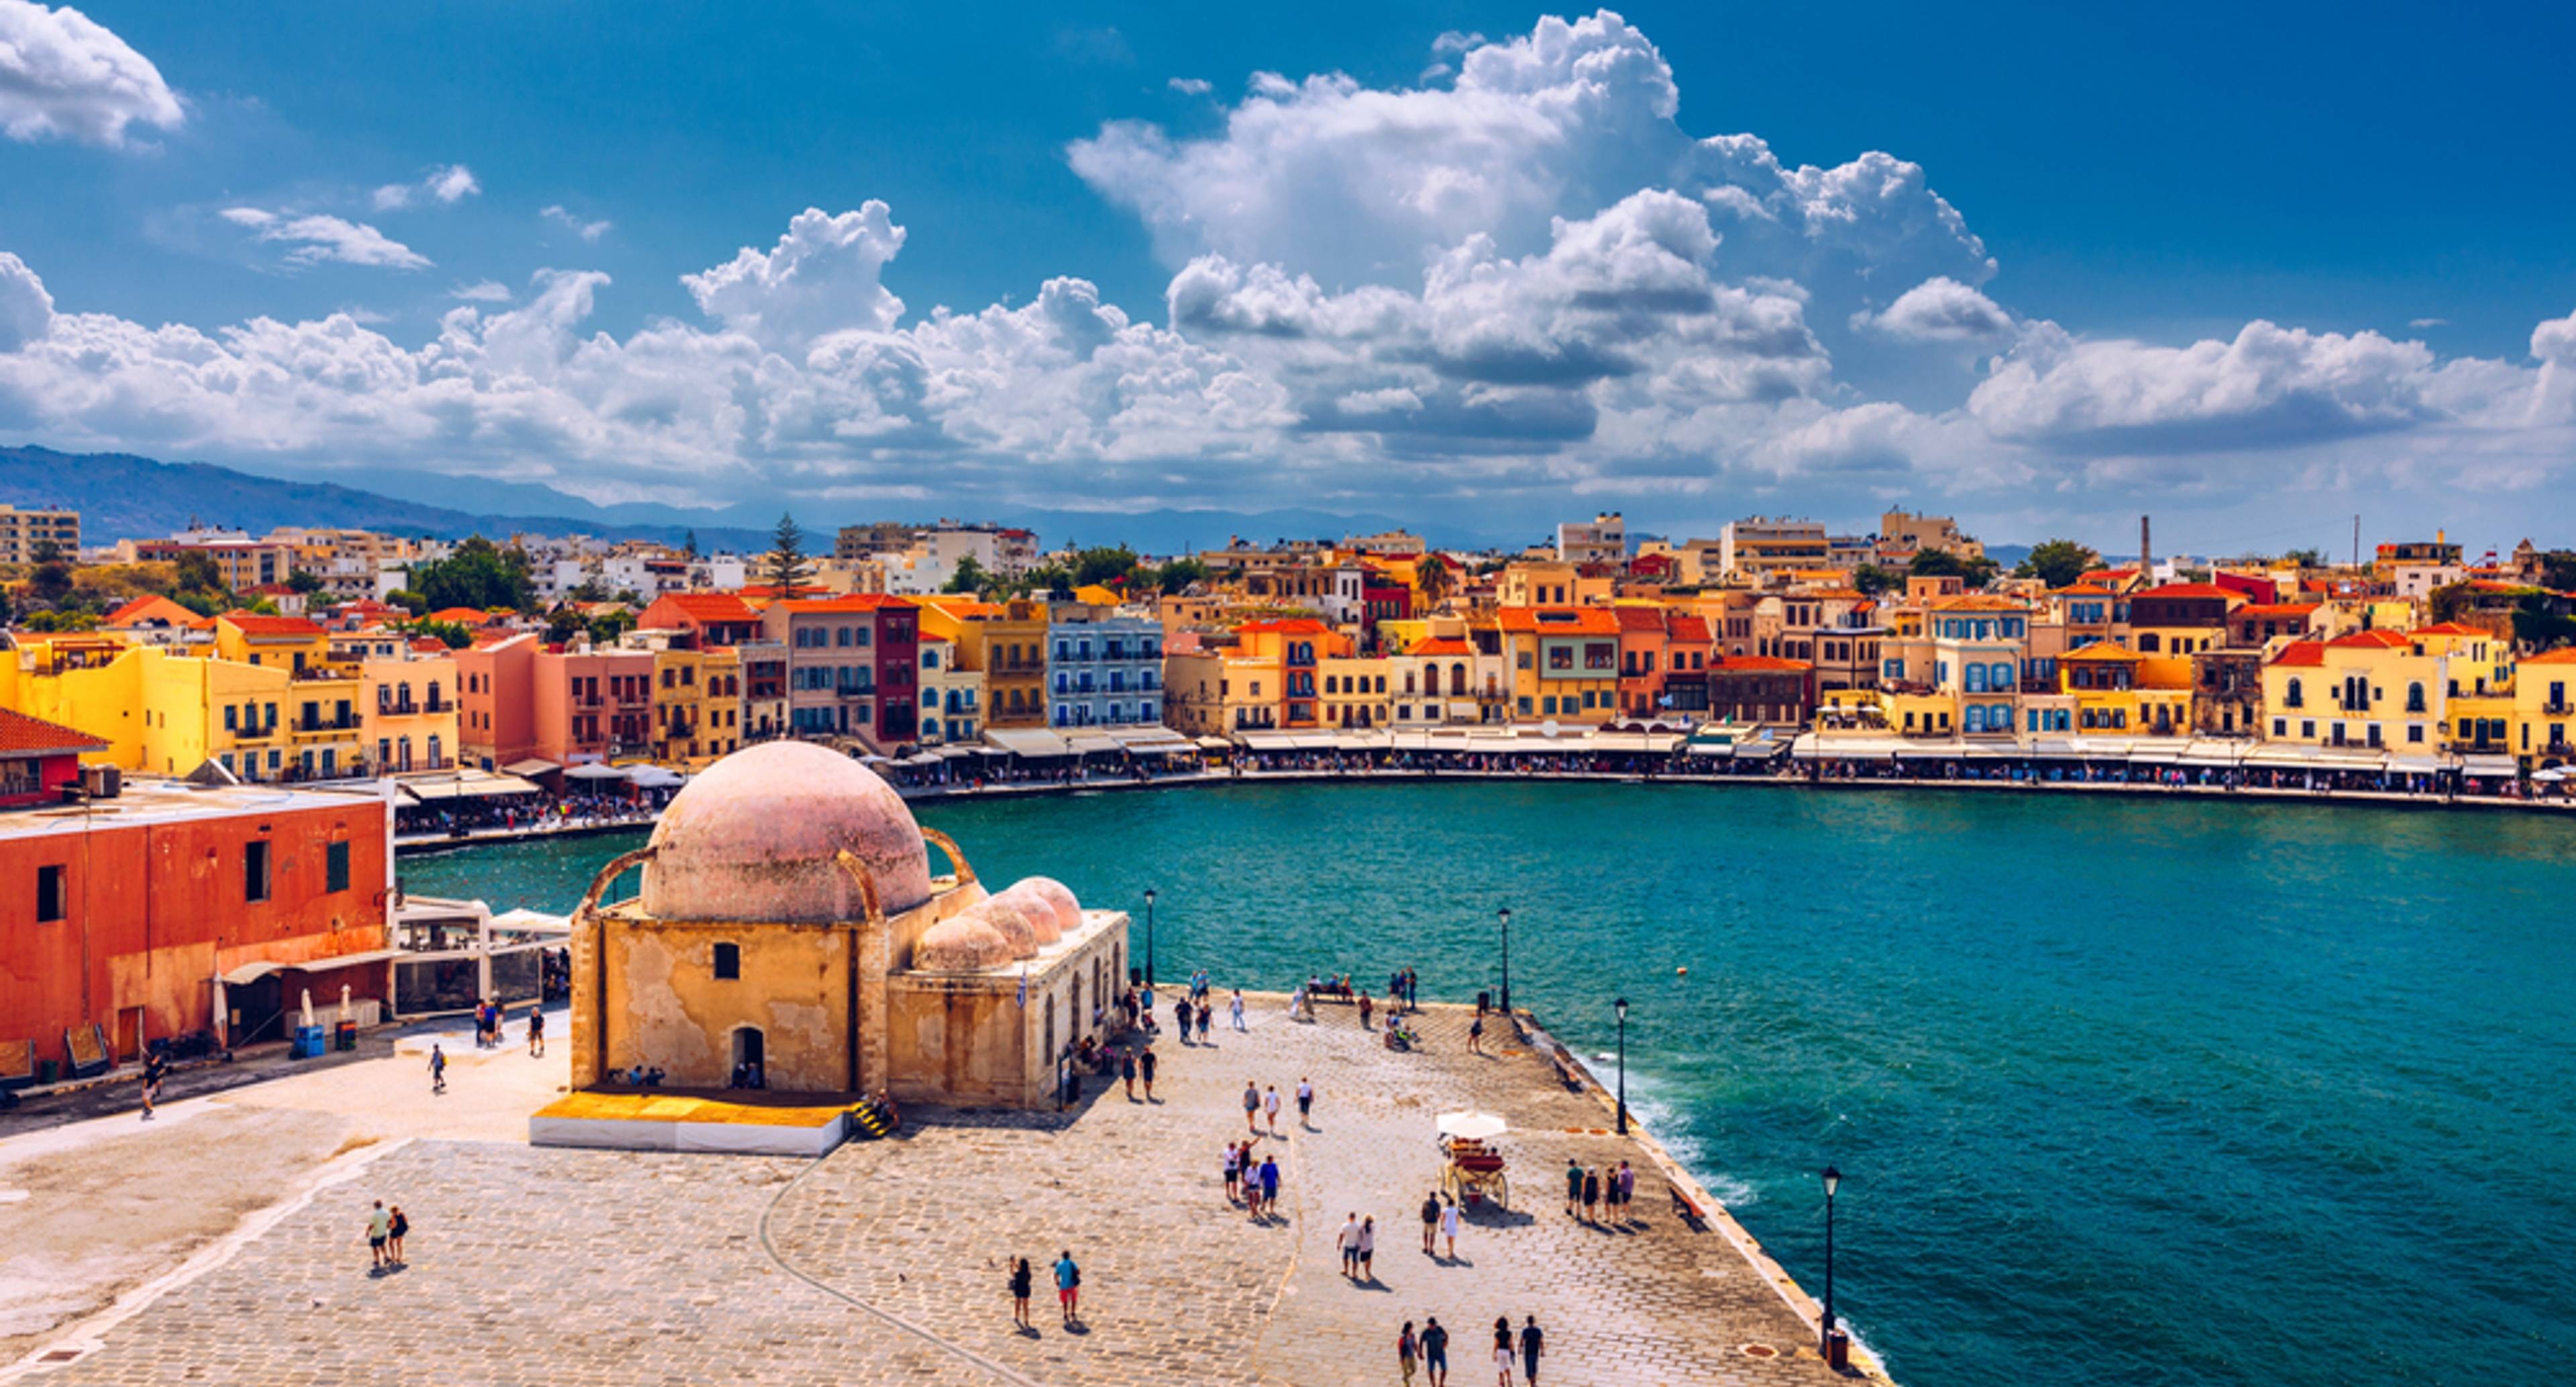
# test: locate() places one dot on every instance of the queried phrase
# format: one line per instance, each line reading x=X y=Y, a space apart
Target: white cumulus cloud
x=1939 y=309
x=63 y=74
x=823 y=276
x=586 y=230
x=314 y=238
x=448 y=184
x=26 y=310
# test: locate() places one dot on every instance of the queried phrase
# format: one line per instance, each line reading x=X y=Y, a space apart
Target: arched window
x=2148 y=643
x=2414 y=698
x=2297 y=694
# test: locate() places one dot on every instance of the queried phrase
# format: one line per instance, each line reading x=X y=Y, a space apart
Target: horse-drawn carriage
x=1475 y=1165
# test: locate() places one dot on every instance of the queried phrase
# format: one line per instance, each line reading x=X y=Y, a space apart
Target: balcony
x=2554 y=708
x=347 y=722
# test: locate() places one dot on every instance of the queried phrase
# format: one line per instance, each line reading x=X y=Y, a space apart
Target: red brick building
x=139 y=914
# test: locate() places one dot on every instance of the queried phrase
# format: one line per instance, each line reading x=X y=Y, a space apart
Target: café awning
x=256 y=969
x=1028 y=741
x=533 y=766
x=465 y=785
x=2487 y=767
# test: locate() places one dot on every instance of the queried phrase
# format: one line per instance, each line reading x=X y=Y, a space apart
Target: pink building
x=523 y=700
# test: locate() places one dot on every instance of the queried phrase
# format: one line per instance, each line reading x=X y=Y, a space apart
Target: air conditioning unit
x=103 y=782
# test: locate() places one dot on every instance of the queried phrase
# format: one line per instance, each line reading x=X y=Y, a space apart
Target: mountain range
x=122 y=496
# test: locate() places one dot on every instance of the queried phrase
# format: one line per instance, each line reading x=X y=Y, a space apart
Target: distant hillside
x=121 y=496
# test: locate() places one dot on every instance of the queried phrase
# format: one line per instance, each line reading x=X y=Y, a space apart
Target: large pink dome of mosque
x=756 y=836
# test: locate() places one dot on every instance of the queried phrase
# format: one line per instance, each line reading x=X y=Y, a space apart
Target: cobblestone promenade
x=574 y=1268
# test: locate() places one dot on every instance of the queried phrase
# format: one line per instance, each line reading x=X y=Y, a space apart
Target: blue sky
x=2251 y=269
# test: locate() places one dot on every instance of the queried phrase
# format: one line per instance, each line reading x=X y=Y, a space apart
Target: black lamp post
x=1505 y=915
x=1149 y=938
x=1622 y=1007
x=1833 y=1181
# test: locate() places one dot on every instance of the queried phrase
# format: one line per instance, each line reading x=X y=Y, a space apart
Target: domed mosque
x=790 y=932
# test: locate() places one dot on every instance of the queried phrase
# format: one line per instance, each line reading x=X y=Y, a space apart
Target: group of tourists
x=1252 y=1183
x=1429 y=1350
x=385 y=1230
x=1589 y=1192
x=1068 y=1290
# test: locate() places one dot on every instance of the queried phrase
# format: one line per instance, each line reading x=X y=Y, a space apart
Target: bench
x=1690 y=1213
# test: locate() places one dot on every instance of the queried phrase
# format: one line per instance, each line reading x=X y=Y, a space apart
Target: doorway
x=750 y=1065
x=129 y=1034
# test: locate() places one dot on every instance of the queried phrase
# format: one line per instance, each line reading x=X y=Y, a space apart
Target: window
x=255 y=871
x=728 y=961
x=49 y=893
x=335 y=867
x=2280 y=727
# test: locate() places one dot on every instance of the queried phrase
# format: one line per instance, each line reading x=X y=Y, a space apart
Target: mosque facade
x=790 y=927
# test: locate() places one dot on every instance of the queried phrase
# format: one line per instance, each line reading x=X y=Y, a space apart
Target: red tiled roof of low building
x=21 y=734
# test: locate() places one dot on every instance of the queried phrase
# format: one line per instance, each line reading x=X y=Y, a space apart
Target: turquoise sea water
x=2125 y=1090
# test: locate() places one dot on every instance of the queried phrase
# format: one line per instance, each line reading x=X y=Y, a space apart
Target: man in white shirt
x=1350 y=1245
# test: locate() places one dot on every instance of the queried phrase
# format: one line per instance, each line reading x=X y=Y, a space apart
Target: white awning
x=1215 y=744
x=2415 y=765
x=1085 y=742
x=2487 y=766
x=596 y=770
x=1139 y=738
x=1931 y=751
x=1761 y=750
x=1312 y=741
x=2295 y=757
x=1814 y=748
x=532 y=767
x=1268 y=741
x=465 y=785
x=1028 y=741
x=260 y=968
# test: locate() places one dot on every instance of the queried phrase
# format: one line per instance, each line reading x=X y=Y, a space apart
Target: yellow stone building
x=1563 y=661
x=1005 y=642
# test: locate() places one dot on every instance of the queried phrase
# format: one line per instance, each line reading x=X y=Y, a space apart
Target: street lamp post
x=1149 y=938
x=1505 y=915
x=1833 y=1181
x=1622 y=1006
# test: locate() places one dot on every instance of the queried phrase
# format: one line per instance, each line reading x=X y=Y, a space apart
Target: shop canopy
x=465 y=785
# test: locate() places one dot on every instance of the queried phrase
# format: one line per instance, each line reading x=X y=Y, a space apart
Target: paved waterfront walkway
x=578 y=1267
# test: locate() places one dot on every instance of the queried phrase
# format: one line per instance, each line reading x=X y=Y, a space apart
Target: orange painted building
x=139 y=916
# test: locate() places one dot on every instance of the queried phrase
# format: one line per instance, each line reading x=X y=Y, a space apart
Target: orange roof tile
x=151 y=606
x=20 y=734
x=2450 y=628
x=1286 y=626
x=462 y=616
x=257 y=624
x=850 y=602
x=1444 y=646
x=1975 y=602
x=1690 y=629
x=2563 y=655
x=709 y=606
x=2370 y=640
x=1560 y=621
x=1636 y=618
x=2101 y=650
x=2302 y=654
x=2188 y=590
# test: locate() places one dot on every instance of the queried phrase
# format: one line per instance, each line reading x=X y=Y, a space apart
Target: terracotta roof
x=709 y=606
x=21 y=734
x=2276 y=609
x=963 y=608
x=1690 y=629
x=2302 y=654
x=2563 y=655
x=429 y=645
x=1560 y=621
x=151 y=606
x=2101 y=650
x=851 y=602
x=256 y=624
x=462 y=616
x=1446 y=646
x=2082 y=589
x=1974 y=602
x=2370 y=640
x=2450 y=628
x=1287 y=626
x=1758 y=663
x=1635 y=618
x=2189 y=590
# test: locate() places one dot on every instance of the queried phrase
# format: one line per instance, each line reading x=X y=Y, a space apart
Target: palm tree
x=1433 y=577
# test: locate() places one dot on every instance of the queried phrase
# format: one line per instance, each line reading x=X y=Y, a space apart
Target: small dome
x=1012 y=921
x=965 y=943
x=1068 y=911
x=757 y=835
x=1041 y=913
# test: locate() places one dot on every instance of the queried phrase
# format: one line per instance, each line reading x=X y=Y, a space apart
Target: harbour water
x=2132 y=1090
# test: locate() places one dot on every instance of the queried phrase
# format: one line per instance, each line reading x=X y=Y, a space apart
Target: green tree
x=589 y=589
x=606 y=628
x=2306 y=558
x=1436 y=578
x=479 y=574
x=409 y=599
x=1941 y=563
x=2558 y=570
x=1176 y=575
x=2446 y=603
x=47 y=551
x=2537 y=628
x=1047 y=580
x=2057 y=562
x=787 y=569
x=1873 y=580
x=1103 y=563
x=455 y=636
x=969 y=579
x=51 y=582
x=305 y=581
x=689 y=545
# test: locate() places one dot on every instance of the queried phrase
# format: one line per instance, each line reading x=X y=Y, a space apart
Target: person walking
x=1591 y=1195
x=1366 y=1006
x=1435 y=1351
x=1181 y=1018
x=156 y=1067
x=1430 y=1224
x=1407 y=1350
x=1573 y=1188
x=1237 y=1008
x=1368 y=1248
x=380 y=1226
x=1270 y=1107
x=1269 y=1187
x=1533 y=1344
x=1145 y=1070
x=1449 y=1227
x=1305 y=1101
x=1476 y=1035
x=1251 y=1108
x=1233 y=1170
x=1502 y=1351
x=1348 y=1240
x=437 y=1068
x=1068 y=1288
x=1127 y=1071
x=1206 y=1013
x=1021 y=1277
x=537 y=1032
x=395 y=1227
x=1623 y=1193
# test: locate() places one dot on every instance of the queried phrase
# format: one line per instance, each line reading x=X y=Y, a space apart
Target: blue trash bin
x=308 y=1042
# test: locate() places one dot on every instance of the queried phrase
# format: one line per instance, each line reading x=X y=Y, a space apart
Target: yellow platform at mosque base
x=745 y=1123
